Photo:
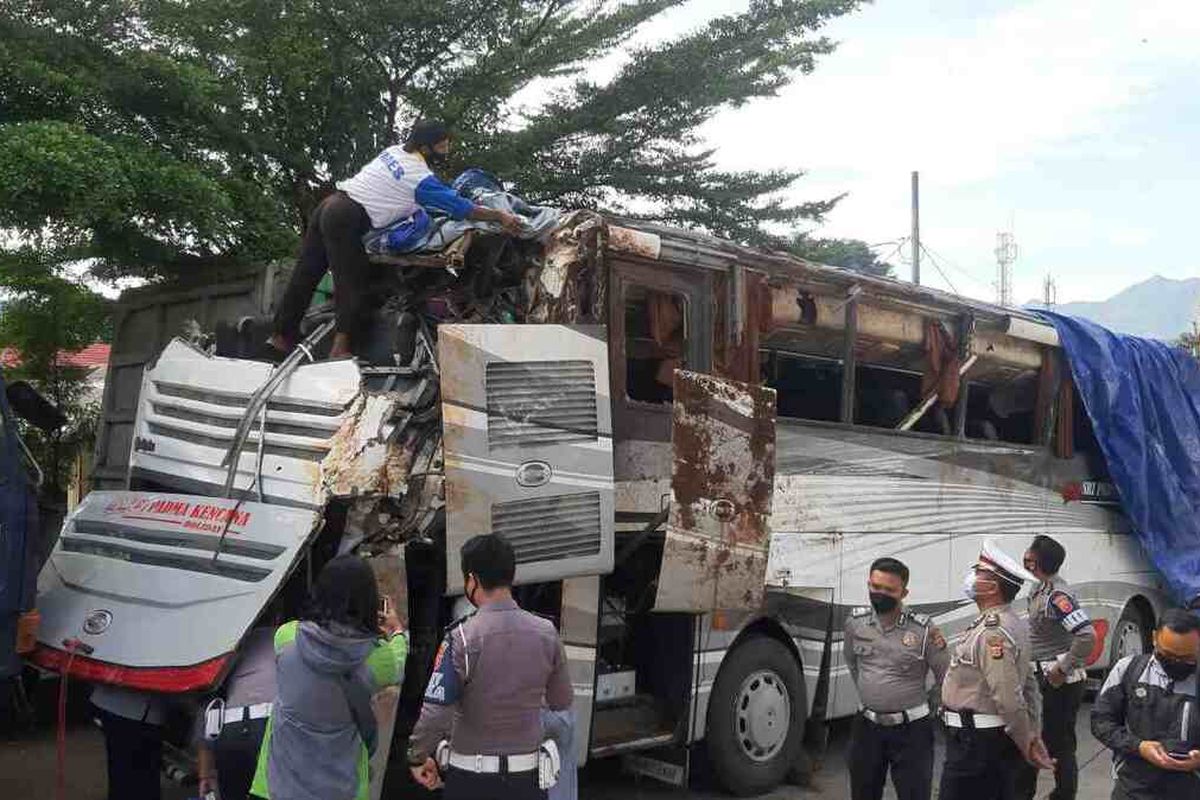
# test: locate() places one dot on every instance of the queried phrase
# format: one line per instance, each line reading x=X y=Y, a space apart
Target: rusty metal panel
x=722 y=482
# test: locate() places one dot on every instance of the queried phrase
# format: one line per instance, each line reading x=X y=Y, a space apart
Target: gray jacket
x=316 y=752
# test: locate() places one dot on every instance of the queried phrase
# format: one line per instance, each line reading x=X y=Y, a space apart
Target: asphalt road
x=28 y=769
x=831 y=782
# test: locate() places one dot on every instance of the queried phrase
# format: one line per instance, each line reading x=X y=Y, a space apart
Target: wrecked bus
x=695 y=448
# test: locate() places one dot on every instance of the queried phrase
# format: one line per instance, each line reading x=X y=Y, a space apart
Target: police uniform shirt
x=493 y=674
x=990 y=673
x=890 y=664
x=1059 y=628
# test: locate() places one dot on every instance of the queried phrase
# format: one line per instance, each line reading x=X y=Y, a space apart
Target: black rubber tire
x=735 y=770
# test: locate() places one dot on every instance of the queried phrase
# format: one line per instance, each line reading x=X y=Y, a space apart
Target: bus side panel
x=578 y=629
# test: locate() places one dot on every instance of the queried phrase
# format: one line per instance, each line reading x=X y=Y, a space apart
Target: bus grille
x=550 y=528
x=541 y=402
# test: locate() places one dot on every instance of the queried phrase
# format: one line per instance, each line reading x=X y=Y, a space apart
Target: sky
x=1073 y=124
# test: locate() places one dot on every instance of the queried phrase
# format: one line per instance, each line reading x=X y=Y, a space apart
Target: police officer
x=890 y=651
x=493 y=674
x=989 y=697
x=1062 y=638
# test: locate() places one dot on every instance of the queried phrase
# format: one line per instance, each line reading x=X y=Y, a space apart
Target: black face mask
x=434 y=158
x=882 y=603
x=1176 y=669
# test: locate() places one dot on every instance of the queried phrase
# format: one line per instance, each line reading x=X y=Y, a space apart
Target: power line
x=941 y=272
x=956 y=268
x=895 y=250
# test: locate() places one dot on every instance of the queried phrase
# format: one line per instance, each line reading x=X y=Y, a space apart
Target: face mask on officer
x=971 y=583
x=883 y=603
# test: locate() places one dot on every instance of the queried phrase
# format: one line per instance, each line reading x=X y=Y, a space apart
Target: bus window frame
x=643 y=420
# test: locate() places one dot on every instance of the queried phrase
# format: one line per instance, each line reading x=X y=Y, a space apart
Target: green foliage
x=155 y=136
x=849 y=254
x=44 y=315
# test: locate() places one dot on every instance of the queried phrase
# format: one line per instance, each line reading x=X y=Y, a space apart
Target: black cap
x=427 y=132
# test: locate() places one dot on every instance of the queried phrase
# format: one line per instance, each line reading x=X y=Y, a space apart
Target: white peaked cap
x=995 y=560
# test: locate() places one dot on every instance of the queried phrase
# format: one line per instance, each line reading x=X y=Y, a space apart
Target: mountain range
x=1159 y=308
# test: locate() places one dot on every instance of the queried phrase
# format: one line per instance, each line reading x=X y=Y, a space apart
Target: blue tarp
x=1143 y=398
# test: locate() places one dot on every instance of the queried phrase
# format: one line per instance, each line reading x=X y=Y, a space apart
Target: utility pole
x=916 y=228
x=1006 y=254
x=1049 y=292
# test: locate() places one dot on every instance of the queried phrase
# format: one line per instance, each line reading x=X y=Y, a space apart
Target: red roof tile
x=91 y=357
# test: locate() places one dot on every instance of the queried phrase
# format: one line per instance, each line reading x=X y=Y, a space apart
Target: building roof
x=94 y=356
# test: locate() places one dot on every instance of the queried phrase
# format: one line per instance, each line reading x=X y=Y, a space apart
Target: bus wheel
x=756 y=716
x=1131 y=636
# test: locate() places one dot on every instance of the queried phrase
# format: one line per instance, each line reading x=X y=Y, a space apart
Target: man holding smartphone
x=1148 y=714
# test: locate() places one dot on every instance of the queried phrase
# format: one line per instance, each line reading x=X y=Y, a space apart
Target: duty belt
x=217 y=716
x=969 y=719
x=1042 y=667
x=491 y=765
x=894 y=718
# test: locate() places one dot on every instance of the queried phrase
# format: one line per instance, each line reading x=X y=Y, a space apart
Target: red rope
x=61 y=778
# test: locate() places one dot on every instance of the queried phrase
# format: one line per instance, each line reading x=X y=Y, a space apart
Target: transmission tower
x=1006 y=254
x=1049 y=292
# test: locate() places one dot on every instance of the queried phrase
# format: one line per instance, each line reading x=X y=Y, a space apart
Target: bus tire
x=756 y=716
x=1131 y=634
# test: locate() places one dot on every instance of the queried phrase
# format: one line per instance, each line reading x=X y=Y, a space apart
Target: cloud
x=980 y=103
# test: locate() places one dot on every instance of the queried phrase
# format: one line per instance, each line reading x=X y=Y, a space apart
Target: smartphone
x=1179 y=756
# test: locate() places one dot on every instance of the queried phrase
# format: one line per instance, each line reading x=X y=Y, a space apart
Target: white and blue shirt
x=395 y=183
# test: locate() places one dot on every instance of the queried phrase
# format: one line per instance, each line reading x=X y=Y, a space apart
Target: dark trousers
x=906 y=749
x=980 y=765
x=1060 y=706
x=332 y=241
x=236 y=754
x=134 y=751
x=461 y=785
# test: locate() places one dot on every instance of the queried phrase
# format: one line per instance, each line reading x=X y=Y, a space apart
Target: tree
x=1190 y=341
x=156 y=136
x=849 y=254
x=46 y=315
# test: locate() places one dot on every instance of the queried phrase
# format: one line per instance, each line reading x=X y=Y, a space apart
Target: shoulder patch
x=1062 y=603
x=937 y=639
x=444 y=687
x=991 y=619
x=995 y=647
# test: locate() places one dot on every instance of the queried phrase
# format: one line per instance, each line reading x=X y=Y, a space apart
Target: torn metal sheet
x=722 y=483
x=362 y=460
x=572 y=284
x=637 y=243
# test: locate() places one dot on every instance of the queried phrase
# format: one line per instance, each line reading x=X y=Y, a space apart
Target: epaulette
x=924 y=620
x=459 y=621
x=861 y=611
x=991 y=620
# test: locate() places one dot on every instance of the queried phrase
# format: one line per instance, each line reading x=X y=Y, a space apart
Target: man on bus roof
x=1062 y=638
x=890 y=651
x=990 y=700
x=389 y=187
